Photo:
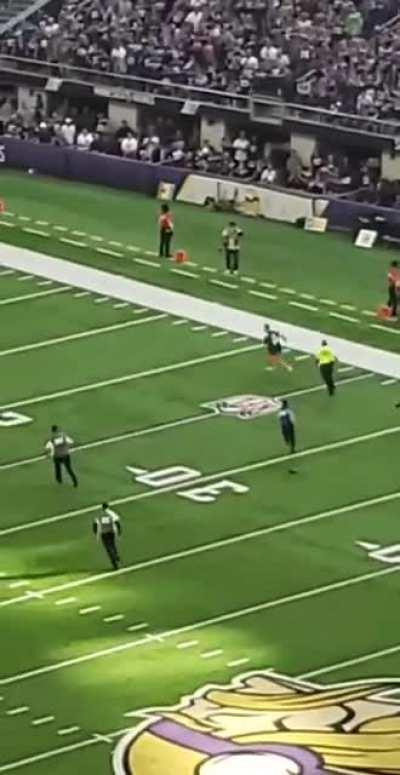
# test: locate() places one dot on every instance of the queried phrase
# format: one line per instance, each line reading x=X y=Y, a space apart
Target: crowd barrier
x=271 y=203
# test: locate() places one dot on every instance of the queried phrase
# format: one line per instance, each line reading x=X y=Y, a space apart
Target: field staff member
x=287 y=422
x=106 y=528
x=326 y=360
x=166 y=224
x=59 y=449
x=393 y=279
x=231 y=237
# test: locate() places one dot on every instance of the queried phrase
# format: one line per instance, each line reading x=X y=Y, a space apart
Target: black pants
x=109 y=543
x=232 y=260
x=59 y=463
x=327 y=376
x=289 y=435
x=393 y=301
x=165 y=243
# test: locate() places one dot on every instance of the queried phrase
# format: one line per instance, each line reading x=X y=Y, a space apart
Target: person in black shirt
x=273 y=341
x=287 y=422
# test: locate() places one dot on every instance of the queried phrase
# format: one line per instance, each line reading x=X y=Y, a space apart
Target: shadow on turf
x=48 y=574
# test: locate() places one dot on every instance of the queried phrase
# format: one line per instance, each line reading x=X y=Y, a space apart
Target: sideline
x=183 y=305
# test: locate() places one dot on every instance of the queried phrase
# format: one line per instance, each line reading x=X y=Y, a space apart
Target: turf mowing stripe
x=384 y=328
x=53 y=753
x=185 y=273
x=18 y=711
x=108 y=252
x=36 y=295
x=224 y=284
x=350 y=662
x=82 y=335
x=146 y=262
x=300 y=305
x=74 y=242
x=305 y=594
x=187 y=644
x=130 y=377
x=347 y=318
x=204 y=548
x=36 y=232
x=66 y=601
x=238 y=662
x=172 y=424
x=263 y=295
x=137 y=627
x=90 y=610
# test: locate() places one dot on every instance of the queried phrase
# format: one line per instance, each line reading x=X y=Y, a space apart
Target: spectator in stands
x=129 y=146
x=68 y=131
x=269 y=175
x=84 y=140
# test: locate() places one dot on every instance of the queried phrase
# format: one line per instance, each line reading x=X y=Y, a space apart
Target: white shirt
x=52 y=443
x=241 y=145
x=129 y=145
x=68 y=132
x=84 y=141
x=268 y=176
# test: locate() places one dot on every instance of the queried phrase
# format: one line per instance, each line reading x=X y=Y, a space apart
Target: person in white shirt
x=68 y=131
x=268 y=175
x=58 y=448
x=241 y=148
x=118 y=56
x=129 y=146
x=106 y=528
x=84 y=140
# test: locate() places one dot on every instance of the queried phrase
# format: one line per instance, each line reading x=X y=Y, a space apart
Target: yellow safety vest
x=325 y=356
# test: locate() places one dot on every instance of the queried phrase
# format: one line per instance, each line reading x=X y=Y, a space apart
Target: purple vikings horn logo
x=266 y=724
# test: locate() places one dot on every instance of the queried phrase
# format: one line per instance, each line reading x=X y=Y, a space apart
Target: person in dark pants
x=106 y=528
x=287 y=422
x=393 y=279
x=166 y=231
x=59 y=448
x=326 y=360
x=231 y=237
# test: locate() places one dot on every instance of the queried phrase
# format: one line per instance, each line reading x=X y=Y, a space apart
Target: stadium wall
x=278 y=205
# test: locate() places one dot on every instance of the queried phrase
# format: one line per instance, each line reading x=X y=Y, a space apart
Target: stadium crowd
x=241 y=157
x=332 y=53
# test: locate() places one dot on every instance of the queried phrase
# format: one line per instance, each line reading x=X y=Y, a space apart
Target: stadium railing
x=259 y=108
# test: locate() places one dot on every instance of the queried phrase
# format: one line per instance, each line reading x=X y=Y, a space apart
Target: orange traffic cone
x=383 y=312
x=181 y=256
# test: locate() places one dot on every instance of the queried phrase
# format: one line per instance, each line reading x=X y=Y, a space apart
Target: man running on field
x=273 y=342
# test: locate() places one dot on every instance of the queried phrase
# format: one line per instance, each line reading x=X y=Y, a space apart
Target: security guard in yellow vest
x=326 y=360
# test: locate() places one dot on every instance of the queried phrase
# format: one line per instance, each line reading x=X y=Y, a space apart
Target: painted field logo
x=267 y=724
x=245 y=407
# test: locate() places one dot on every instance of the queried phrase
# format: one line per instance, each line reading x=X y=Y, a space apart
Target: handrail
x=136 y=88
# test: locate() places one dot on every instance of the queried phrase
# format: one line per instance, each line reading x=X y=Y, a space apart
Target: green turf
x=287 y=548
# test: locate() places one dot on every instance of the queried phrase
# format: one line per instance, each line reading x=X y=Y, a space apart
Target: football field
x=236 y=557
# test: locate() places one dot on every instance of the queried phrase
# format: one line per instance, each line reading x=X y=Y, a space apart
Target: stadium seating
x=334 y=54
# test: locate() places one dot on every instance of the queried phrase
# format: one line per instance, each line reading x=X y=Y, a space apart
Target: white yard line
x=81 y=335
x=38 y=722
x=90 y=610
x=263 y=295
x=130 y=377
x=187 y=644
x=165 y=559
x=36 y=295
x=353 y=661
x=211 y=654
x=300 y=305
x=238 y=662
x=335 y=586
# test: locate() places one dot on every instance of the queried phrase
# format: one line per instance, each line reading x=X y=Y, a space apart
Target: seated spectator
x=269 y=175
